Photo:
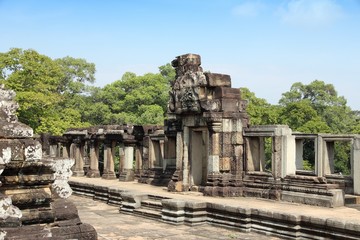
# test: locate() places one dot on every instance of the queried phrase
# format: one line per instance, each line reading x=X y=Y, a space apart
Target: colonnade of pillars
x=90 y=149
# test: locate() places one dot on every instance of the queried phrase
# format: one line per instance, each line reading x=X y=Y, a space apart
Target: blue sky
x=265 y=46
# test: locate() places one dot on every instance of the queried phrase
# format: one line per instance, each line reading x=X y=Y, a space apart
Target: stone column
x=66 y=150
x=162 y=160
x=289 y=159
x=94 y=160
x=299 y=154
x=213 y=158
x=122 y=158
x=54 y=150
x=138 y=160
x=319 y=159
x=152 y=155
x=255 y=154
x=109 y=155
x=185 y=175
x=329 y=156
x=284 y=159
x=127 y=173
x=355 y=165
x=79 y=158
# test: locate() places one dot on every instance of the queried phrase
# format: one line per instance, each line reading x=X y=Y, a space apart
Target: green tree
x=330 y=108
x=168 y=72
x=77 y=72
x=260 y=111
x=41 y=85
x=317 y=108
x=136 y=99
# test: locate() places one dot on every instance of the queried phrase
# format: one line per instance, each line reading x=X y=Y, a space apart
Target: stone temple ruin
x=208 y=145
x=33 y=189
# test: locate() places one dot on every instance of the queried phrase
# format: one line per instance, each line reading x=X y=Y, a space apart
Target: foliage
x=342 y=158
x=260 y=111
x=42 y=86
x=316 y=107
x=135 y=99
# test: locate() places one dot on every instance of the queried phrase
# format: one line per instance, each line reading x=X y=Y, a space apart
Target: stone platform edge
x=194 y=212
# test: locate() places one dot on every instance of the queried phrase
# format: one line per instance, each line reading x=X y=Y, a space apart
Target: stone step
x=151 y=204
x=148 y=213
x=352 y=199
x=156 y=197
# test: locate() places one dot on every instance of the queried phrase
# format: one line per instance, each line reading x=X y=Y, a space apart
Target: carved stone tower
x=205 y=120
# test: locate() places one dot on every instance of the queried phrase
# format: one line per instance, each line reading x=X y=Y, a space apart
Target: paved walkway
x=112 y=225
x=345 y=214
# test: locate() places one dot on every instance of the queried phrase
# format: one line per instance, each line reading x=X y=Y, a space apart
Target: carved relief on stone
x=62 y=173
x=9 y=125
x=184 y=96
x=7 y=105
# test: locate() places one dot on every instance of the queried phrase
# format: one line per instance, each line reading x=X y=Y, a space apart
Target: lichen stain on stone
x=33 y=153
x=6 y=156
x=8 y=210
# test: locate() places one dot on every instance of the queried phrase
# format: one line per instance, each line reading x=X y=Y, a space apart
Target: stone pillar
x=122 y=158
x=355 y=165
x=283 y=152
x=299 y=154
x=262 y=157
x=109 y=155
x=79 y=158
x=94 y=160
x=162 y=160
x=329 y=157
x=319 y=159
x=127 y=173
x=54 y=150
x=288 y=155
x=138 y=160
x=213 y=159
x=66 y=150
x=185 y=175
x=255 y=159
x=152 y=155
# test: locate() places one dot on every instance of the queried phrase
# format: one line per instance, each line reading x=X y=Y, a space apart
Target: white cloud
x=248 y=9
x=310 y=12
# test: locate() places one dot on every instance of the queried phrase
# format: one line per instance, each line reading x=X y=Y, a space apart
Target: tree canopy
x=316 y=108
x=132 y=99
x=41 y=84
x=55 y=94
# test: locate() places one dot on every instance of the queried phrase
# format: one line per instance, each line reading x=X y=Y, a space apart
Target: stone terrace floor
x=111 y=224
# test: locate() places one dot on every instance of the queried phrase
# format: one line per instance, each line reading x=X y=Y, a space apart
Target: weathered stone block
x=131 y=201
x=226 y=138
x=16 y=149
x=213 y=164
x=33 y=150
x=229 y=105
x=226 y=150
x=218 y=80
x=15 y=130
x=227 y=92
x=237 y=138
x=195 y=212
x=225 y=163
x=173 y=211
x=212 y=105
